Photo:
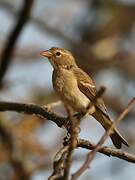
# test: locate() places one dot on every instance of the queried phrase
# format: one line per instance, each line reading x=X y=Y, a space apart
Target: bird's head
x=59 y=57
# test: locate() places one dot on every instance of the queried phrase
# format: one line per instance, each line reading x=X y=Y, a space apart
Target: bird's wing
x=87 y=86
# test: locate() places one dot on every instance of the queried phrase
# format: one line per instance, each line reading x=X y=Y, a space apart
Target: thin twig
x=107 y=151
x=46 y=112
x=7 y=52
x=74 y=131
x=92 y=154
x=61 y=121
x=59 y=163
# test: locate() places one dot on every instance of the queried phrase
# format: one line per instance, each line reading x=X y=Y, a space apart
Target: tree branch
x=43 y=111
x=59 y=164
x=74 y=129
x=7 y=52
x=107 y=151
x=46 y=112
x=92 y=154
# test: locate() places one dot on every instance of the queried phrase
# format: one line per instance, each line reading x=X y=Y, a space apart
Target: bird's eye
x=58 y=54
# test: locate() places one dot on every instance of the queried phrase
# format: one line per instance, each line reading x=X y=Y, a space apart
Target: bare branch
x=43 y=111
x=74 y=131
x=107 y=151
x=6 y=55
x=47 y=113
x=92 y=154
x=59 y=164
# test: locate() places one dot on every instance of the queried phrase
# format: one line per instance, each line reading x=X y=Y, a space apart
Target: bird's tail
x=117 y=139
x=105 y=121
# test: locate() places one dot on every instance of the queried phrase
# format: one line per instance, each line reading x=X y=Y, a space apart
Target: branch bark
x=7 y=52
x=107 y=151
x=43 y=112
x=47 y=113
x=92 y=154
x=74 y=130
x=59 y=164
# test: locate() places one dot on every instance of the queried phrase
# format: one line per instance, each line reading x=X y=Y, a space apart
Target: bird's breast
x=65 y=84
x=58 y=81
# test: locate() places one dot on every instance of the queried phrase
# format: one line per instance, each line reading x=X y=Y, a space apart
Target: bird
x=77 y=89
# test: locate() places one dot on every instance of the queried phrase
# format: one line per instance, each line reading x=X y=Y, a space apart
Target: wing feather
x=88 y=87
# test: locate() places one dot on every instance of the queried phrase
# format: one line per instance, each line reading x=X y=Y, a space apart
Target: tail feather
x=118 y=140
x=105 y=121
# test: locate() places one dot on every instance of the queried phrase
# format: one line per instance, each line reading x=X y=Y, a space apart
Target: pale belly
x=66 y=87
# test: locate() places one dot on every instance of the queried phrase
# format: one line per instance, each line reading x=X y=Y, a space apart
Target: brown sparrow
x=77 y=89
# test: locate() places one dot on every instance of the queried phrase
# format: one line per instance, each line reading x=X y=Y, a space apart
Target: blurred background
x=101 y=35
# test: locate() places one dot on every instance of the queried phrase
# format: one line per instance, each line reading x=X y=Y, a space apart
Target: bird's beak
x=46 y=53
